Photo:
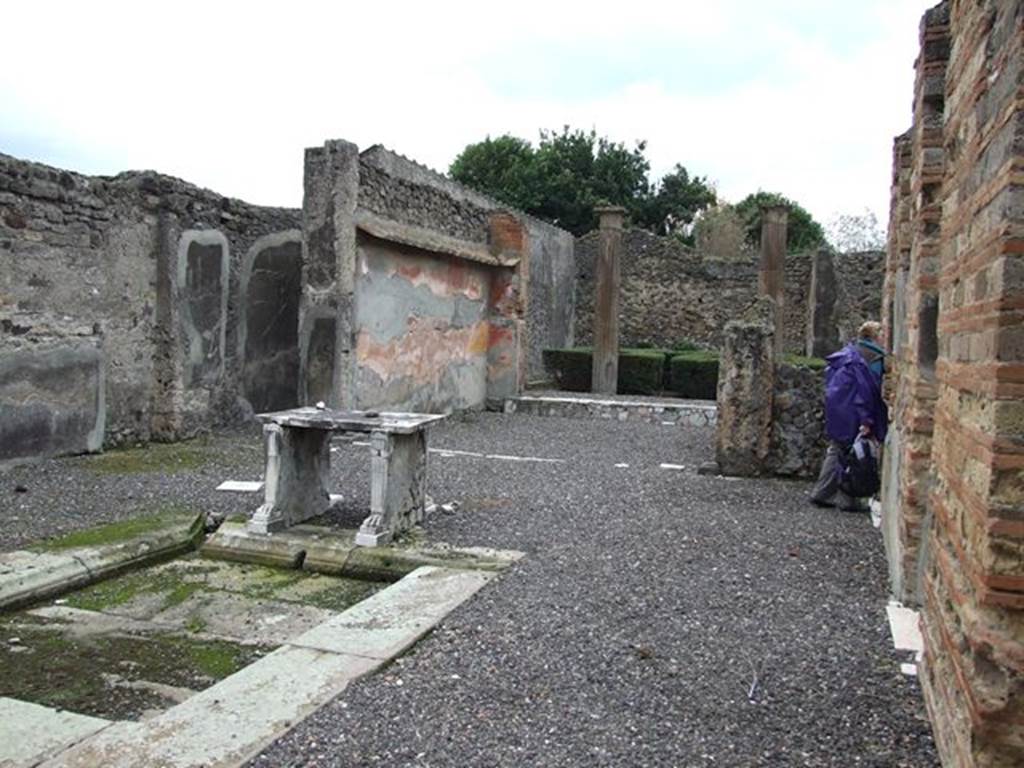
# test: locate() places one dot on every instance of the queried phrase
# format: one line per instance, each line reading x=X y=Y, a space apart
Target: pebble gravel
x=659 y=618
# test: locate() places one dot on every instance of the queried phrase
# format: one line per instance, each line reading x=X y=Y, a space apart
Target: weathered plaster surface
x=422 y=329
x=53 y=399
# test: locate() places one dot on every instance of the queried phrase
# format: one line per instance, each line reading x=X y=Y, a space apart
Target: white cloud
x=227 y=95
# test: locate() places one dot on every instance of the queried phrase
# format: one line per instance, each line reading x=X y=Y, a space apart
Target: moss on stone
x=94 y=674
x=168 y=516
x=120 y=590
x=339 y=593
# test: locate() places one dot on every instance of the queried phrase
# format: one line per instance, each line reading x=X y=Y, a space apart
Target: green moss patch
x=155 y=457
x=168 y=517
x=111 y=674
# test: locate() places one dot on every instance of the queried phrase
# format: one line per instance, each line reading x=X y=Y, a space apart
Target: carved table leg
x=398 y=473
x=297 y=472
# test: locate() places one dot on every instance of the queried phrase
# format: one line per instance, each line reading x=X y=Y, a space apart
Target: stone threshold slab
x=583 y=407
x=334 y=552
x=30 y=733
x=232 y=721
x=27 y=576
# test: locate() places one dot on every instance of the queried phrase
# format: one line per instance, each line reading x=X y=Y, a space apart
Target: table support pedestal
x=297 y=471
x=398 y=474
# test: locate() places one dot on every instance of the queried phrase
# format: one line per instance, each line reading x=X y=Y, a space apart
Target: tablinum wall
x=422 y=328
x=419 y=293
x=141 y=307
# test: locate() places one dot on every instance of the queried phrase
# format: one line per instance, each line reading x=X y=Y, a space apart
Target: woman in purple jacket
x=853 y=406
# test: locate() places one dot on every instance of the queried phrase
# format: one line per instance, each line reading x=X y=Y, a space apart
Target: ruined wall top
x=379 y=160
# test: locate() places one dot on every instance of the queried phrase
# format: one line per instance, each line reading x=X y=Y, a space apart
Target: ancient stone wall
x=952 y=495
x=671 y=292
x=859 y=278
x=395 y=188
x=140 y=269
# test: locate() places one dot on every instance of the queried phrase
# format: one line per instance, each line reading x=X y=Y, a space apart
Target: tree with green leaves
x=569 y=173
x=802 y=231
x=505 y=168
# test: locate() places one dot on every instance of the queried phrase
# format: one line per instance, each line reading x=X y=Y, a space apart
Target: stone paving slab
x=226 y=723
x=388 y=623
x=31 y=733
x=232 y=720
x=333 y=551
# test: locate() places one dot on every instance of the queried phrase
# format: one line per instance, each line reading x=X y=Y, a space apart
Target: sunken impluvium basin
x=125 y=645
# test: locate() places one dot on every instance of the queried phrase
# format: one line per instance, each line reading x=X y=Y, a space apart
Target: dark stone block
x=51 y=402
x=320 y=360
x=204 y=290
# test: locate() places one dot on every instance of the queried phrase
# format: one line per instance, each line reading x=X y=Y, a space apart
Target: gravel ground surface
x=51 y=498
x=661 y=618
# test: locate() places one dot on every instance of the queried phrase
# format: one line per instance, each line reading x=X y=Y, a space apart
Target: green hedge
x=570 y=367
x=694 y=375
x=641 y=371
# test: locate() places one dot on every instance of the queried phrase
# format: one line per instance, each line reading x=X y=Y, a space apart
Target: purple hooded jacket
x=853 y=396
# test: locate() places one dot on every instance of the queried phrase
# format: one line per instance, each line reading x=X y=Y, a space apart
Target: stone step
x=666 y=412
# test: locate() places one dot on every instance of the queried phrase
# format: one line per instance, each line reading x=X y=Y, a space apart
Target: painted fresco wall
x=422 y=329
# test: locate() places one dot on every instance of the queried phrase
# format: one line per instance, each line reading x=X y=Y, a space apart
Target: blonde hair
x=870 y=330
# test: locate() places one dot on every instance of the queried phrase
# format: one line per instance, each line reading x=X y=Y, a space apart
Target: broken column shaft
x=771 y=281
x=605 y=372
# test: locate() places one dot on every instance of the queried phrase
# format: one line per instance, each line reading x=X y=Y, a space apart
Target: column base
x=379 y=539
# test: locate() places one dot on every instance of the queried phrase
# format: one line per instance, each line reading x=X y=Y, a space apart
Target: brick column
x=771 y=280
x=822 y=329
x=506 y=346
x=606 y=301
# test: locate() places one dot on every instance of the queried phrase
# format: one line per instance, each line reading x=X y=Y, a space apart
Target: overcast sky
x=801 y=97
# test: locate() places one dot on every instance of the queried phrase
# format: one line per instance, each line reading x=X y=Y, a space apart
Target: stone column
x=746 y=384
x=606 y=301
x=771 y=281
x=822 y=329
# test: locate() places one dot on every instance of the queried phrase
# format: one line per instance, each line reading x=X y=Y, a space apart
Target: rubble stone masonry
x=672 y=293
x=119 y=307
x=954 y=485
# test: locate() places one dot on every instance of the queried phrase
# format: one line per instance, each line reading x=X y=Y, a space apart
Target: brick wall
x=912 y=288
x=962 y=489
